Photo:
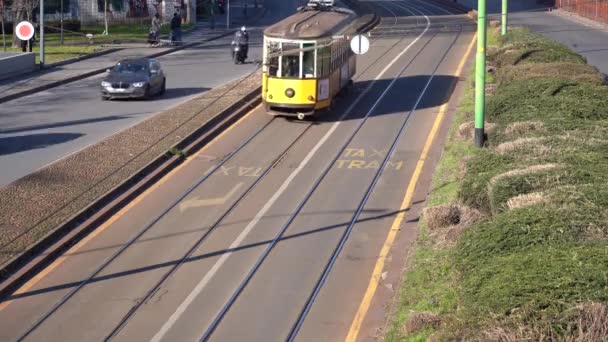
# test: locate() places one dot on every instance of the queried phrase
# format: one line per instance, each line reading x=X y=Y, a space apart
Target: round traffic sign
x=24 y=30
x=359 y=44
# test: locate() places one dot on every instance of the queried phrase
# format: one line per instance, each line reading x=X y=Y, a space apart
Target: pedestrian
x=176 y=28
x=155 y=30
x=24 y=43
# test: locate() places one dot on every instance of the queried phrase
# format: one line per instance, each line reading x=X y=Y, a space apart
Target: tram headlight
x=311 y=98
x=290 y=93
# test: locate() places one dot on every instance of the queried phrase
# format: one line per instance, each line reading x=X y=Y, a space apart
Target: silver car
x=134 y=78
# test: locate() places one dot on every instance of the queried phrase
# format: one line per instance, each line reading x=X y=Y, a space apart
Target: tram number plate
x=324 y=89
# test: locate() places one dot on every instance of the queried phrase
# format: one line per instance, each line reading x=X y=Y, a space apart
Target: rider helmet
x=243 y=29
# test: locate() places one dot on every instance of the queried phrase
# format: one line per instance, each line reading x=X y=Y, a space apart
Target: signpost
x=25 y=31
x=359 y=44
x=480 y=75
x=505 y=6
x=41 y=34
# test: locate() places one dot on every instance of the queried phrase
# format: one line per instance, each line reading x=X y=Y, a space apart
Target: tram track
x=297 y=325
x=136 y=237
x=268 y=168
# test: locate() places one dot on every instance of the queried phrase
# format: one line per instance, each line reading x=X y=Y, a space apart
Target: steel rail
x=208 y=333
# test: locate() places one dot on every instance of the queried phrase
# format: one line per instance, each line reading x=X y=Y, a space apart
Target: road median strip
x=513 y=244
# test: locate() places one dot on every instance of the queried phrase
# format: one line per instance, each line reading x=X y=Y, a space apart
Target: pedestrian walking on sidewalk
x=176 y=28
x=154 y=36
x=24 y=43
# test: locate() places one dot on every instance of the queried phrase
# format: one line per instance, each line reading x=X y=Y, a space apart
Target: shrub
x=579 y=73
x=546 y=277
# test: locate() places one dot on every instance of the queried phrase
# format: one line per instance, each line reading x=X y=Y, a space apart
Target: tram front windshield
x=291 y=60
x=287 y=59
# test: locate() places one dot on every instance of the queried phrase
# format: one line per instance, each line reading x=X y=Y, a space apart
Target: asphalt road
x=241 y=255
x=42 y=128
x=590 y=41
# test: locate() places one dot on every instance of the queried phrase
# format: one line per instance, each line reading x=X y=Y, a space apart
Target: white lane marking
x=197 y=202
x=209 y=275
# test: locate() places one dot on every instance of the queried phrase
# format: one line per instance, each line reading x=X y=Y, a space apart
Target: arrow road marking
x=196 y=202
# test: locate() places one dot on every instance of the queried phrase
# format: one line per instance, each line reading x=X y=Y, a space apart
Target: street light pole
x=505 y=7
x=41 y=34
x=228 y=14
x=61 y=23
x=480 y=74
x=212 y=14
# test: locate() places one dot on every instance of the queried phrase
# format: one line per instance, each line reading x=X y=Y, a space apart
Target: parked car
x=134 y=78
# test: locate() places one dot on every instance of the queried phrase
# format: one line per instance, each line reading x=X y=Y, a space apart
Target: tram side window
x=274 y=49
x=308 y=60
x=290 y=66
x=324 y=62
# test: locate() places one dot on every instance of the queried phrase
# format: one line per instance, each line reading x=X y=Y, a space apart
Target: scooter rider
x=241 y=38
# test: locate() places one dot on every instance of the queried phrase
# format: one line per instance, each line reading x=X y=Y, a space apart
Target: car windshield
x=129 y=67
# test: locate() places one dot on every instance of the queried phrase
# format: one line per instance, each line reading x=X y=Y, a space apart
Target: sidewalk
x=579 y=34
x=27 y=84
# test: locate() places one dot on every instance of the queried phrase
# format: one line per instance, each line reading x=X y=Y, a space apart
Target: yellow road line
x=374 y=281
x=49 y=269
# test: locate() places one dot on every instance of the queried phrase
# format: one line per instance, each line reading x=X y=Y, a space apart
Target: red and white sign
x=24 y=30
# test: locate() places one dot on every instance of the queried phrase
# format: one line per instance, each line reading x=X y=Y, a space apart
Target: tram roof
x=311 y=24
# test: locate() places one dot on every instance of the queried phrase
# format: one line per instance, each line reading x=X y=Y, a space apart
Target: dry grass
x=447 y=223
x=522 y=172
x=421 y=320
x=462 y=167
x=526 y=200
x=523 y=143
x=567 y=71
x=521 y=128
x=591 y=320
x=491 y=89
x=442 y=216
x=466 y=131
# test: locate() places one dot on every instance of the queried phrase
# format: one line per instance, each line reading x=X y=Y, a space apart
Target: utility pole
x=41 y=34
x=61 y=22
x=505 y=8
x=227 y=14
x=480 y=74
x=212 y=14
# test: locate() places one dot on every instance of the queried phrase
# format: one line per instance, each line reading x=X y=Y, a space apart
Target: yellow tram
x=307 y=60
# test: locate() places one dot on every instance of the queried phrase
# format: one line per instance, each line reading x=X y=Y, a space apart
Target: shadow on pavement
x=62 y=124
x=11 y=145
x=401 y=99
x=195 y=258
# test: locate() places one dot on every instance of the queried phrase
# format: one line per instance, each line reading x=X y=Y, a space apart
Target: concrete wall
x=12 y=64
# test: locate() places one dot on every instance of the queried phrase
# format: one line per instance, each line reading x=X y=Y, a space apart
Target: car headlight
x=139 y=84
x=106 y=84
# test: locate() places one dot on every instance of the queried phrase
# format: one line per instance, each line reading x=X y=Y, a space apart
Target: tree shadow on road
x=11 y=145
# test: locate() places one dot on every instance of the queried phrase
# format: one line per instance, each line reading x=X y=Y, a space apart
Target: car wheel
x=163 y=88
x=104 y=98
x=146 y=93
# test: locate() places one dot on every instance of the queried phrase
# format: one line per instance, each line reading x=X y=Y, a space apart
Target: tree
x=2 y=8
x=22 y=10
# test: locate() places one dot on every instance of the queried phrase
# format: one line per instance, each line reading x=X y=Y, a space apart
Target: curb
x=23 y=267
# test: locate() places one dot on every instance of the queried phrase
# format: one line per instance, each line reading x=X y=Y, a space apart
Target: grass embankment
x=76 y=44
x=514 y=244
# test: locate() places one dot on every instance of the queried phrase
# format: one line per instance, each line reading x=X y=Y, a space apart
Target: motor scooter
x=238 y=53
